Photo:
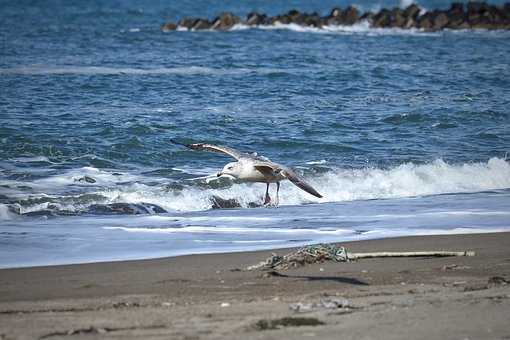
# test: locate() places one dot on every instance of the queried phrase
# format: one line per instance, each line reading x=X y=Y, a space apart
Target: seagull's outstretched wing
x=273 y=168
x=300 y=182
x=215 y=148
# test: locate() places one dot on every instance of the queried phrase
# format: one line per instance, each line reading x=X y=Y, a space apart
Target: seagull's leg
x=267 y=199
x=277 y=203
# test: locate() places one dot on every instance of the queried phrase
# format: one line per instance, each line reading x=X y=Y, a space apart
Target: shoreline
x=207 y=296
x=265 y=250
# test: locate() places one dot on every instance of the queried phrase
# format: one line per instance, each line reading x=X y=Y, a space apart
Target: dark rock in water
x=86 y=179
x=313 y=20
x=281 y=19
x=367 y=16
x=187 y=23
x=255 y=19
x=201 y=24
x=14 y=208
x=412 y=11
x=225 y=21
x=153 y=208
x=426 y=21
x=440 y=21
x=40 y=213
x=50 y=213
x=336 y=13
x=339 y=17
x=433 y=21
x=382 y=18
x=170 y=26
x=350 y=15
x=125 y=209
x=255 y=205
x=398 y=18
x=474 y=15
x=221 y=203
x=456 y=16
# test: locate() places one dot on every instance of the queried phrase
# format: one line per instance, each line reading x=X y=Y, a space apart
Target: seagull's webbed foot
x=267 y=200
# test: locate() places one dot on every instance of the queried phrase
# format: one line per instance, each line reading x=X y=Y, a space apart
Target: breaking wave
x=362 y=27
x=106 y=192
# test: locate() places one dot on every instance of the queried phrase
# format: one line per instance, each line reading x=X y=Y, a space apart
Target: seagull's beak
x=219 y=174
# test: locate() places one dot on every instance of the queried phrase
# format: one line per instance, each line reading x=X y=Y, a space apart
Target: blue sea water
x=403 y=132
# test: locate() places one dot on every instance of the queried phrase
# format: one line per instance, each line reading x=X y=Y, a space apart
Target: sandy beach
x=208 y=297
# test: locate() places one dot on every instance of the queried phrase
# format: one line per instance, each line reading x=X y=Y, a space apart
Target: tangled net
x=316 y=253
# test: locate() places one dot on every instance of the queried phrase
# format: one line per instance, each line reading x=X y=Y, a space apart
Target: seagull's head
x=231 y=169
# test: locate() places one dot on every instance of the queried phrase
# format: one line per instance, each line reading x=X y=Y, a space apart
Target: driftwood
x=434 y=253
x=319 y=253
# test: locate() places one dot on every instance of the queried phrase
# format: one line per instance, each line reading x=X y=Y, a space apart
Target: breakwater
x=473 y=15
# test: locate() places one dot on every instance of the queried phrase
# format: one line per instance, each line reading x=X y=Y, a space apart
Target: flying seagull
x=254 y=168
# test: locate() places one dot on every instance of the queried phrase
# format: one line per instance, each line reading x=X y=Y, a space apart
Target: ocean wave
x=362 y=27
x=335 y=184
x=100 y=70
x=230 y=230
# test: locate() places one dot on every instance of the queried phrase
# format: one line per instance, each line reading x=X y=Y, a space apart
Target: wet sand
x=208 y=297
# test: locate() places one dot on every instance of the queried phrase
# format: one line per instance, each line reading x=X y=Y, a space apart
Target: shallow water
x=405 y=124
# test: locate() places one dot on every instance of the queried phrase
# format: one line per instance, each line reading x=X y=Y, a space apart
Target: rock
x=411 y=14
x=425 y=22
x=339 y=17
x=382 y=18
x=169 y=26
x=398 y=18
x=439 y=21
x=255 y=19
x=336 y=13
x=126 y=208
x=281 y=19
x=369 y=16
x=225 y=21
x=296 y=17
x=313 y=20
x=412 y=11
x=222 y=203
x=350 y=15
x=201 y=24
x=456 y=15
x=86 y=179
x=186 y=23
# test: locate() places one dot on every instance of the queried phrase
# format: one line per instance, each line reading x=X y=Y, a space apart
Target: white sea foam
x=409 y=180
x=336 y=185
x=406 y=180
x=5 y=214
x=230 y=230
x=362 y=27
x=101 y=70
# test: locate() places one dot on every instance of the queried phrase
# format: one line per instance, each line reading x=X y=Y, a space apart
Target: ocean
x=403 y=132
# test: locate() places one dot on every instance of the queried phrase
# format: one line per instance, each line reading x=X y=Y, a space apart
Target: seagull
x=255 y=168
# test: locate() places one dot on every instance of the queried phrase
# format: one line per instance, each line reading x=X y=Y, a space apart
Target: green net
x=315 y=253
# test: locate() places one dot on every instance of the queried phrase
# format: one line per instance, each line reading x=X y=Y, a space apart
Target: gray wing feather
x=300 y=182
x=215 y=148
